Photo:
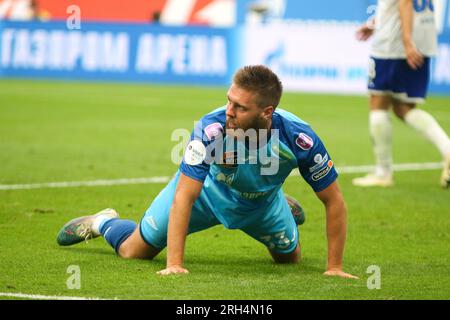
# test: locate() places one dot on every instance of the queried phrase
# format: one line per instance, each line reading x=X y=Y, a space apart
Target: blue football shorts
x=274 y=227
x=396 y=78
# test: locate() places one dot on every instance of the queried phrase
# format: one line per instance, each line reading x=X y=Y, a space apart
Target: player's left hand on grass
x=173 y=270
x=339 y=273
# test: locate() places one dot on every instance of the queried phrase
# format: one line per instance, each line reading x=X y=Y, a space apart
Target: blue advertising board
x=197 y=55
x=123 y=52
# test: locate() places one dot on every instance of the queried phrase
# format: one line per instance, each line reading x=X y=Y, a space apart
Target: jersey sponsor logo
x=253 y=195
x=322 y=172
x=320 y=162
x=195 y=153
x=213 y=131
x=304 y=141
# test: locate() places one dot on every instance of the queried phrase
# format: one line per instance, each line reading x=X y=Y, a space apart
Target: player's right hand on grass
x=172 y=270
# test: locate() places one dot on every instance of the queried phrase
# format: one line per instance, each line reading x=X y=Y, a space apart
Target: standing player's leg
x=413 y=89
x=426 y=124
x=380 y=128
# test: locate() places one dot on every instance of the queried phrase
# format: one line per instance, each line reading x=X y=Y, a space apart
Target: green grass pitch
x=56 y=131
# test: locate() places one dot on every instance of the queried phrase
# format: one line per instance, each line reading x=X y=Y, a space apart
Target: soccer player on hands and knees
x=405 y=38
x=232 y=172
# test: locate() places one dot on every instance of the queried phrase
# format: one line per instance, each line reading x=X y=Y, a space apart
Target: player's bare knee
x=399 y=114
x=126 y=255
x=126 y=252
x=130 y=251
x=287 y=258
x=380 y=102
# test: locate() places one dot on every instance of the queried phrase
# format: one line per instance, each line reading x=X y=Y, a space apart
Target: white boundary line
x=68 y=184
x=42 y=297
x=155 y=180
x=397 y=167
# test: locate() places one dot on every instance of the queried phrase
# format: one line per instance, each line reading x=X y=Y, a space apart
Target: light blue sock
x=116 y=231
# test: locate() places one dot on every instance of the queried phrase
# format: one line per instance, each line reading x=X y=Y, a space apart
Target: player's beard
x=230 y=125
x=256 y=123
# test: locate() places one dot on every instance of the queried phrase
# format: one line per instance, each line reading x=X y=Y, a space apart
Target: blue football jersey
x=241 y=179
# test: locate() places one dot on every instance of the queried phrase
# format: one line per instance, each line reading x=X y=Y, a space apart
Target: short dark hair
x=263 y=82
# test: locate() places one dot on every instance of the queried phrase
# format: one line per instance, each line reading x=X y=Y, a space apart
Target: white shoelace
x=85 y=232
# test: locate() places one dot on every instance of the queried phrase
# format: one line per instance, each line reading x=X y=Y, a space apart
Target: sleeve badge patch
x=195 y=153
x=304 y=141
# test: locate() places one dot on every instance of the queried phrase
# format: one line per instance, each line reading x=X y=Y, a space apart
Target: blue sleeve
x=199 y=151
x=314 y=162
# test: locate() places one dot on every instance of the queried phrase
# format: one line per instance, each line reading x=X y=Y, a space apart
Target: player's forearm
x=177 y=231
x=336 y=233
x=406 y=19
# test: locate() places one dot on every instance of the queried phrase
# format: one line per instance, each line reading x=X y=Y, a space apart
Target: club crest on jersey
x=227 y=179
x=213 y=131
x=304 y=141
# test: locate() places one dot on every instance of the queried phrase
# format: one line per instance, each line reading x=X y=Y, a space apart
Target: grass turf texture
x=53 y=131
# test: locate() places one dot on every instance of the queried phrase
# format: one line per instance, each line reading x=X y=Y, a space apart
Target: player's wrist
x=408 y=43
x=334 y=267
x=370 y=25
x=174 y=265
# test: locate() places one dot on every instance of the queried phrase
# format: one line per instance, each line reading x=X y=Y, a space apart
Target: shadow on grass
x=84 y=250
x=158 y=262
x=222 y=265
x=263 y=265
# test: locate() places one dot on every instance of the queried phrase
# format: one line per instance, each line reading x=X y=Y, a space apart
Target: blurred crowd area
x=310 y=44
x=215 y=13
x=22 y=10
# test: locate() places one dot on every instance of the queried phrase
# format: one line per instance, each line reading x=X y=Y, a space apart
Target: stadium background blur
x=92 y=92
x=198 y=41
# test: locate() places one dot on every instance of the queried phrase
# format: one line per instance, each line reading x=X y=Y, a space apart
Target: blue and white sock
x=116 y=231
